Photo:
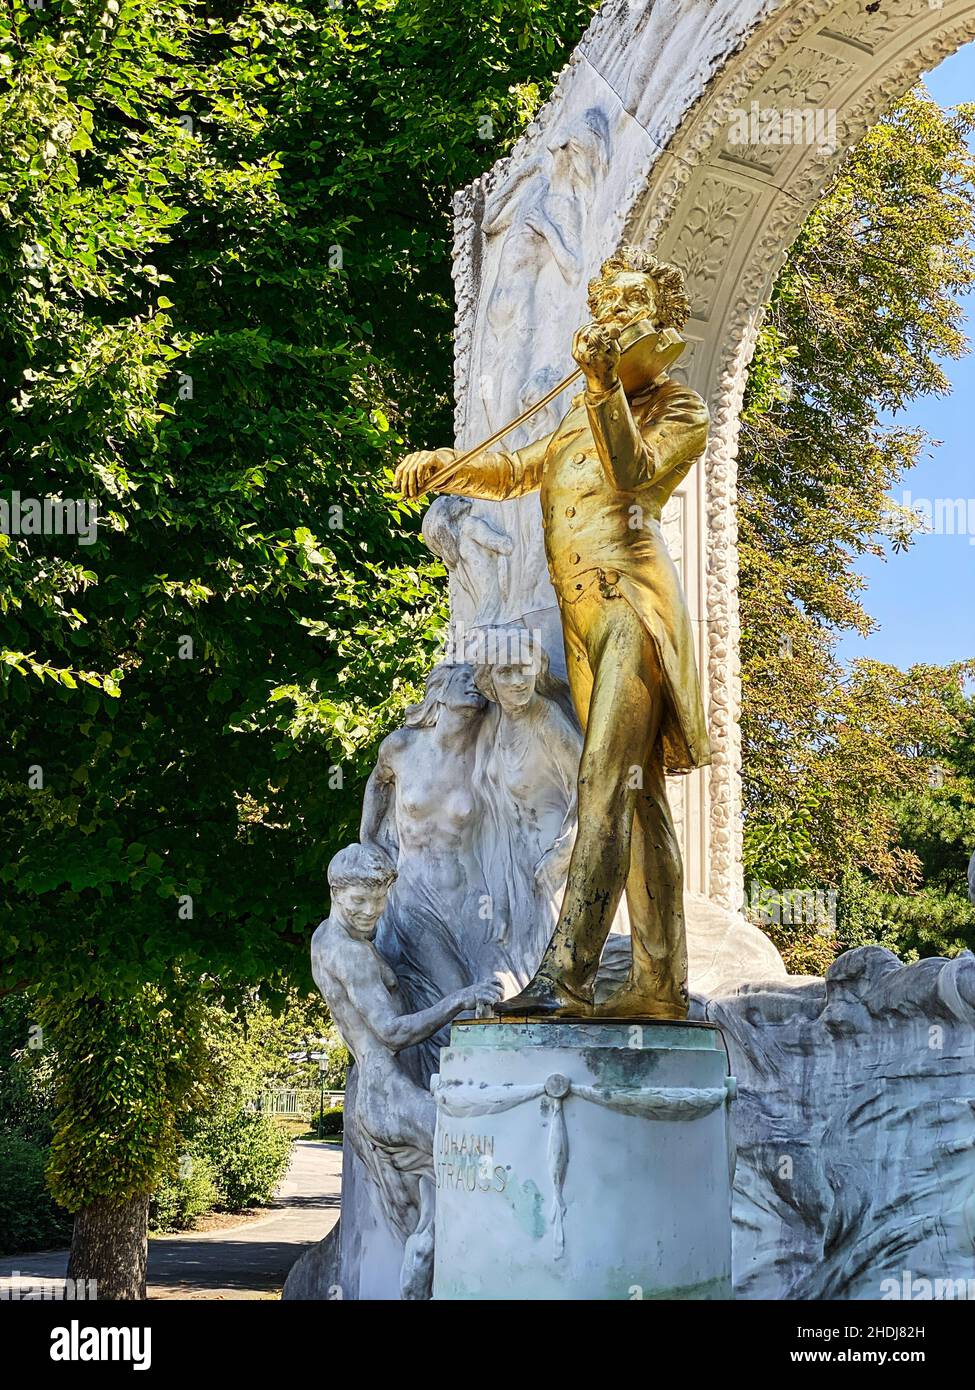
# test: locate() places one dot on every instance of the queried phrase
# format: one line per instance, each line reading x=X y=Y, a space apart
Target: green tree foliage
x=231 y=1156
x=862 y=315
x=275 y=1049
x=27 y=1074
x=128 y=1072
x=936 y=826
x=225 y=310
x=29 y=1217
x=213 y=1150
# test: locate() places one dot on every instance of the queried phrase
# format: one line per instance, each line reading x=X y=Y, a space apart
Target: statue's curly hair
x=673 y=305
x=361 y=864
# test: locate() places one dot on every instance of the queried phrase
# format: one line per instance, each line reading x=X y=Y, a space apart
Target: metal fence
x=302 y=1103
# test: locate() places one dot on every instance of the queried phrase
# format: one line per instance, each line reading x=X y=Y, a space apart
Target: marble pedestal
x=583 y=1160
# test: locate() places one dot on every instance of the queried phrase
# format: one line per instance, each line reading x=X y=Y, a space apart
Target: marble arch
x=638 y=141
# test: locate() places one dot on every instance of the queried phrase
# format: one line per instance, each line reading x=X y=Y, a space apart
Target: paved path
x=248 y=1261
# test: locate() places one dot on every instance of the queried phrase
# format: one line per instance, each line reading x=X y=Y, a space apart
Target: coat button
x=574 y=558
x=612 y=576
x=578 y=458
x=570 y=511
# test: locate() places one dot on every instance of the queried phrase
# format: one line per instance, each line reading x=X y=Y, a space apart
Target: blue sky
x=924 y=600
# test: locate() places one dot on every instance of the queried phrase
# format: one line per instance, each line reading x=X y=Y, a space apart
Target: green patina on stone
x=585 y=1037
x=614 y=1056
x=526 y=1202
x=621 y=1066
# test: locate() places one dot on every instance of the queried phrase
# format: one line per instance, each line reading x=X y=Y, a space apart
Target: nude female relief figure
x=419 y=808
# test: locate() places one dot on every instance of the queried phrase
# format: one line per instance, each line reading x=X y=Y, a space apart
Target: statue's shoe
x=632 y=1001
x=543 y=998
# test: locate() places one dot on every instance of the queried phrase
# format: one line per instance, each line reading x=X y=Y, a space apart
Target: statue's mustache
x=623 y=314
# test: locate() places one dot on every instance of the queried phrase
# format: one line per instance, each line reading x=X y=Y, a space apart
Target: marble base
x=583 y=1160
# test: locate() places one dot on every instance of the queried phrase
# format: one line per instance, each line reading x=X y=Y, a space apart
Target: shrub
x=328 y=1123
x=249 y=1154
x=26 y=1072
x=30 y=1219
x=181 y=1197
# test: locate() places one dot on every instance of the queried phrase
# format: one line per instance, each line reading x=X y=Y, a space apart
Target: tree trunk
x=110 y=1245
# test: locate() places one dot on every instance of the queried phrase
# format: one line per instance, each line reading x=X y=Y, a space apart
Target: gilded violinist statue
x=605 y=474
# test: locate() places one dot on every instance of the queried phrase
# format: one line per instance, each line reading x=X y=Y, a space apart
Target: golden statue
x=605 y=474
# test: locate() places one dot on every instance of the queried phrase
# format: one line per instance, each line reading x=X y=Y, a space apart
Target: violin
x=645 y=354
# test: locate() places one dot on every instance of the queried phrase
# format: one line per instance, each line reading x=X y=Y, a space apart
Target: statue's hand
x=484 y=992
x=413 y=474
x=598 y=353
